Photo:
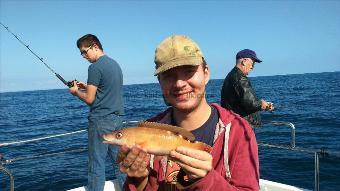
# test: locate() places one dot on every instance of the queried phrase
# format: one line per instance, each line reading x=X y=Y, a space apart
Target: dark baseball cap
x=247 y=53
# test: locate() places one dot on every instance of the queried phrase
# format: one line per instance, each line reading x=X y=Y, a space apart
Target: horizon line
x=17 y=91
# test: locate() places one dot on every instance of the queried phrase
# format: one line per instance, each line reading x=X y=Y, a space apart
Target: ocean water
x=310 y=101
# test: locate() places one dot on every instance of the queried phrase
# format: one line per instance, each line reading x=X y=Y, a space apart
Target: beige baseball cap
x=177 y=50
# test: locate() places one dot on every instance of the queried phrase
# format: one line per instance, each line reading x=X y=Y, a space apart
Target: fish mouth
x=112 y=142
x=107 y=137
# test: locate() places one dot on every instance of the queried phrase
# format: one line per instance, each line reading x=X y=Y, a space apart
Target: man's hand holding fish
x=195 y=163
x=134 y=161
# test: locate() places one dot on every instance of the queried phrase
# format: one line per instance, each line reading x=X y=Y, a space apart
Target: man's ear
x=242 y=62
x=206 y=74
x=95 y=46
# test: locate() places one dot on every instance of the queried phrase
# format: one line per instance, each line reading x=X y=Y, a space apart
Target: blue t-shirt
x=107 y=76
x=206 y=132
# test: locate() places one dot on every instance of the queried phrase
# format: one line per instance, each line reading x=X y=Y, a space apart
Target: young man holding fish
x=103 y=93
x=232 y=161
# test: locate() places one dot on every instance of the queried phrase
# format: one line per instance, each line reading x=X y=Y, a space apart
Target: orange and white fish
x=156 y=138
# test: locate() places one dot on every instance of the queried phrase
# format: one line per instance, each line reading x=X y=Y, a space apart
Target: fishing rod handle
x=61 y=79
x=67 y=83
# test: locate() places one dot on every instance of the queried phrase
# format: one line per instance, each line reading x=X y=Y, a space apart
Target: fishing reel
x=79 y=85
x=270 y=106
x=71 y=83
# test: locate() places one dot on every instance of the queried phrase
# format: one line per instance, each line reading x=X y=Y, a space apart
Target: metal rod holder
x=288 y=124
x=9 y=174
x=316 y=172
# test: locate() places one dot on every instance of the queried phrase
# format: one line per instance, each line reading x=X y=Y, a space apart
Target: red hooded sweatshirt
x=235 y=165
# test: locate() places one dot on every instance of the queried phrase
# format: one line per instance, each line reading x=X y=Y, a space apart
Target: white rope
x=43 y=155
x=41 y=138
x=51 y=136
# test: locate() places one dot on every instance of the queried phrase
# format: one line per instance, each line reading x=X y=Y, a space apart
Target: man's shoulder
x=105 y=63
x=229 y=117
x=93 y=67
x=238 y=79
x=111 y=60
x=104 y=60
x=224 y=113
x=113 y=63
x=235 y=76
x=238 y=75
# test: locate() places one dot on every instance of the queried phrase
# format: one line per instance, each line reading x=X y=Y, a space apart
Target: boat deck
x=265 y=185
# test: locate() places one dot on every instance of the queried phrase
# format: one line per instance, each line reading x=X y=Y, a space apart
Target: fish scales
x=155 y=140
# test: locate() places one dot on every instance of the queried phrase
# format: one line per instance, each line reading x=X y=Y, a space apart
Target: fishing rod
x=67 y=83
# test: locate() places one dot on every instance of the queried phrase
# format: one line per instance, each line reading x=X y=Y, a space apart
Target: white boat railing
x=4 y=161
x=317 y=152
x=287 y=124
x=9 y=174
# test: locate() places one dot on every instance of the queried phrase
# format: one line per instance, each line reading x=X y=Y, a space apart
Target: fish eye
x=119 y=135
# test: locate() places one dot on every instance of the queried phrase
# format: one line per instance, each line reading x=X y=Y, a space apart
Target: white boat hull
x=111 y=185
x=265 y=185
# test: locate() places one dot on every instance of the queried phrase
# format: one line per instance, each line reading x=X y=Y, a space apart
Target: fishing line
x=67 y=83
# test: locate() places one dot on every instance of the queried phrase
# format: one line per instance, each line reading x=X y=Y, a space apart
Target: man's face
x=247 y=65
x=184 y=86
x=88 y=53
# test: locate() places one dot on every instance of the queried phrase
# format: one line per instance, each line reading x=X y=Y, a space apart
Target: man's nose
x=179 y=83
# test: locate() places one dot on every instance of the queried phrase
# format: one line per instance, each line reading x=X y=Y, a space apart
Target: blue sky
x=291 y=37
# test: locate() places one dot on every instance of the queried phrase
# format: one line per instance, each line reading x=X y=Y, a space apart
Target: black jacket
x=238 y=95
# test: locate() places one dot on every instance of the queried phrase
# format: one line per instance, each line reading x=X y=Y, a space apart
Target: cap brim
x=257 y=60
x=191 y=61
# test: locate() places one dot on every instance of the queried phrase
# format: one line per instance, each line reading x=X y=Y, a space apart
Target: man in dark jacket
x=237 y=93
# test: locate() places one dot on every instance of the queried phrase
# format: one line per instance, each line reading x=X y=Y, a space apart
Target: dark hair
x=88 y=40
x=204 y=63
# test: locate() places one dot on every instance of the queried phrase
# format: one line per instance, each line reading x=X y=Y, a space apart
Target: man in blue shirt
x=103 y=92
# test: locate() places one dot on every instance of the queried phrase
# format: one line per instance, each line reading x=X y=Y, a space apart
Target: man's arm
x=88 y=96
x=247 y=96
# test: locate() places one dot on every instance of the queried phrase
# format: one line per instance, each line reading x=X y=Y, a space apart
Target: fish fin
x=202 y=146
x=175 y=129
x=142 y=144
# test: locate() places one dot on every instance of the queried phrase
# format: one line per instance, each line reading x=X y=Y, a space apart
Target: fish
x=156 y=138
